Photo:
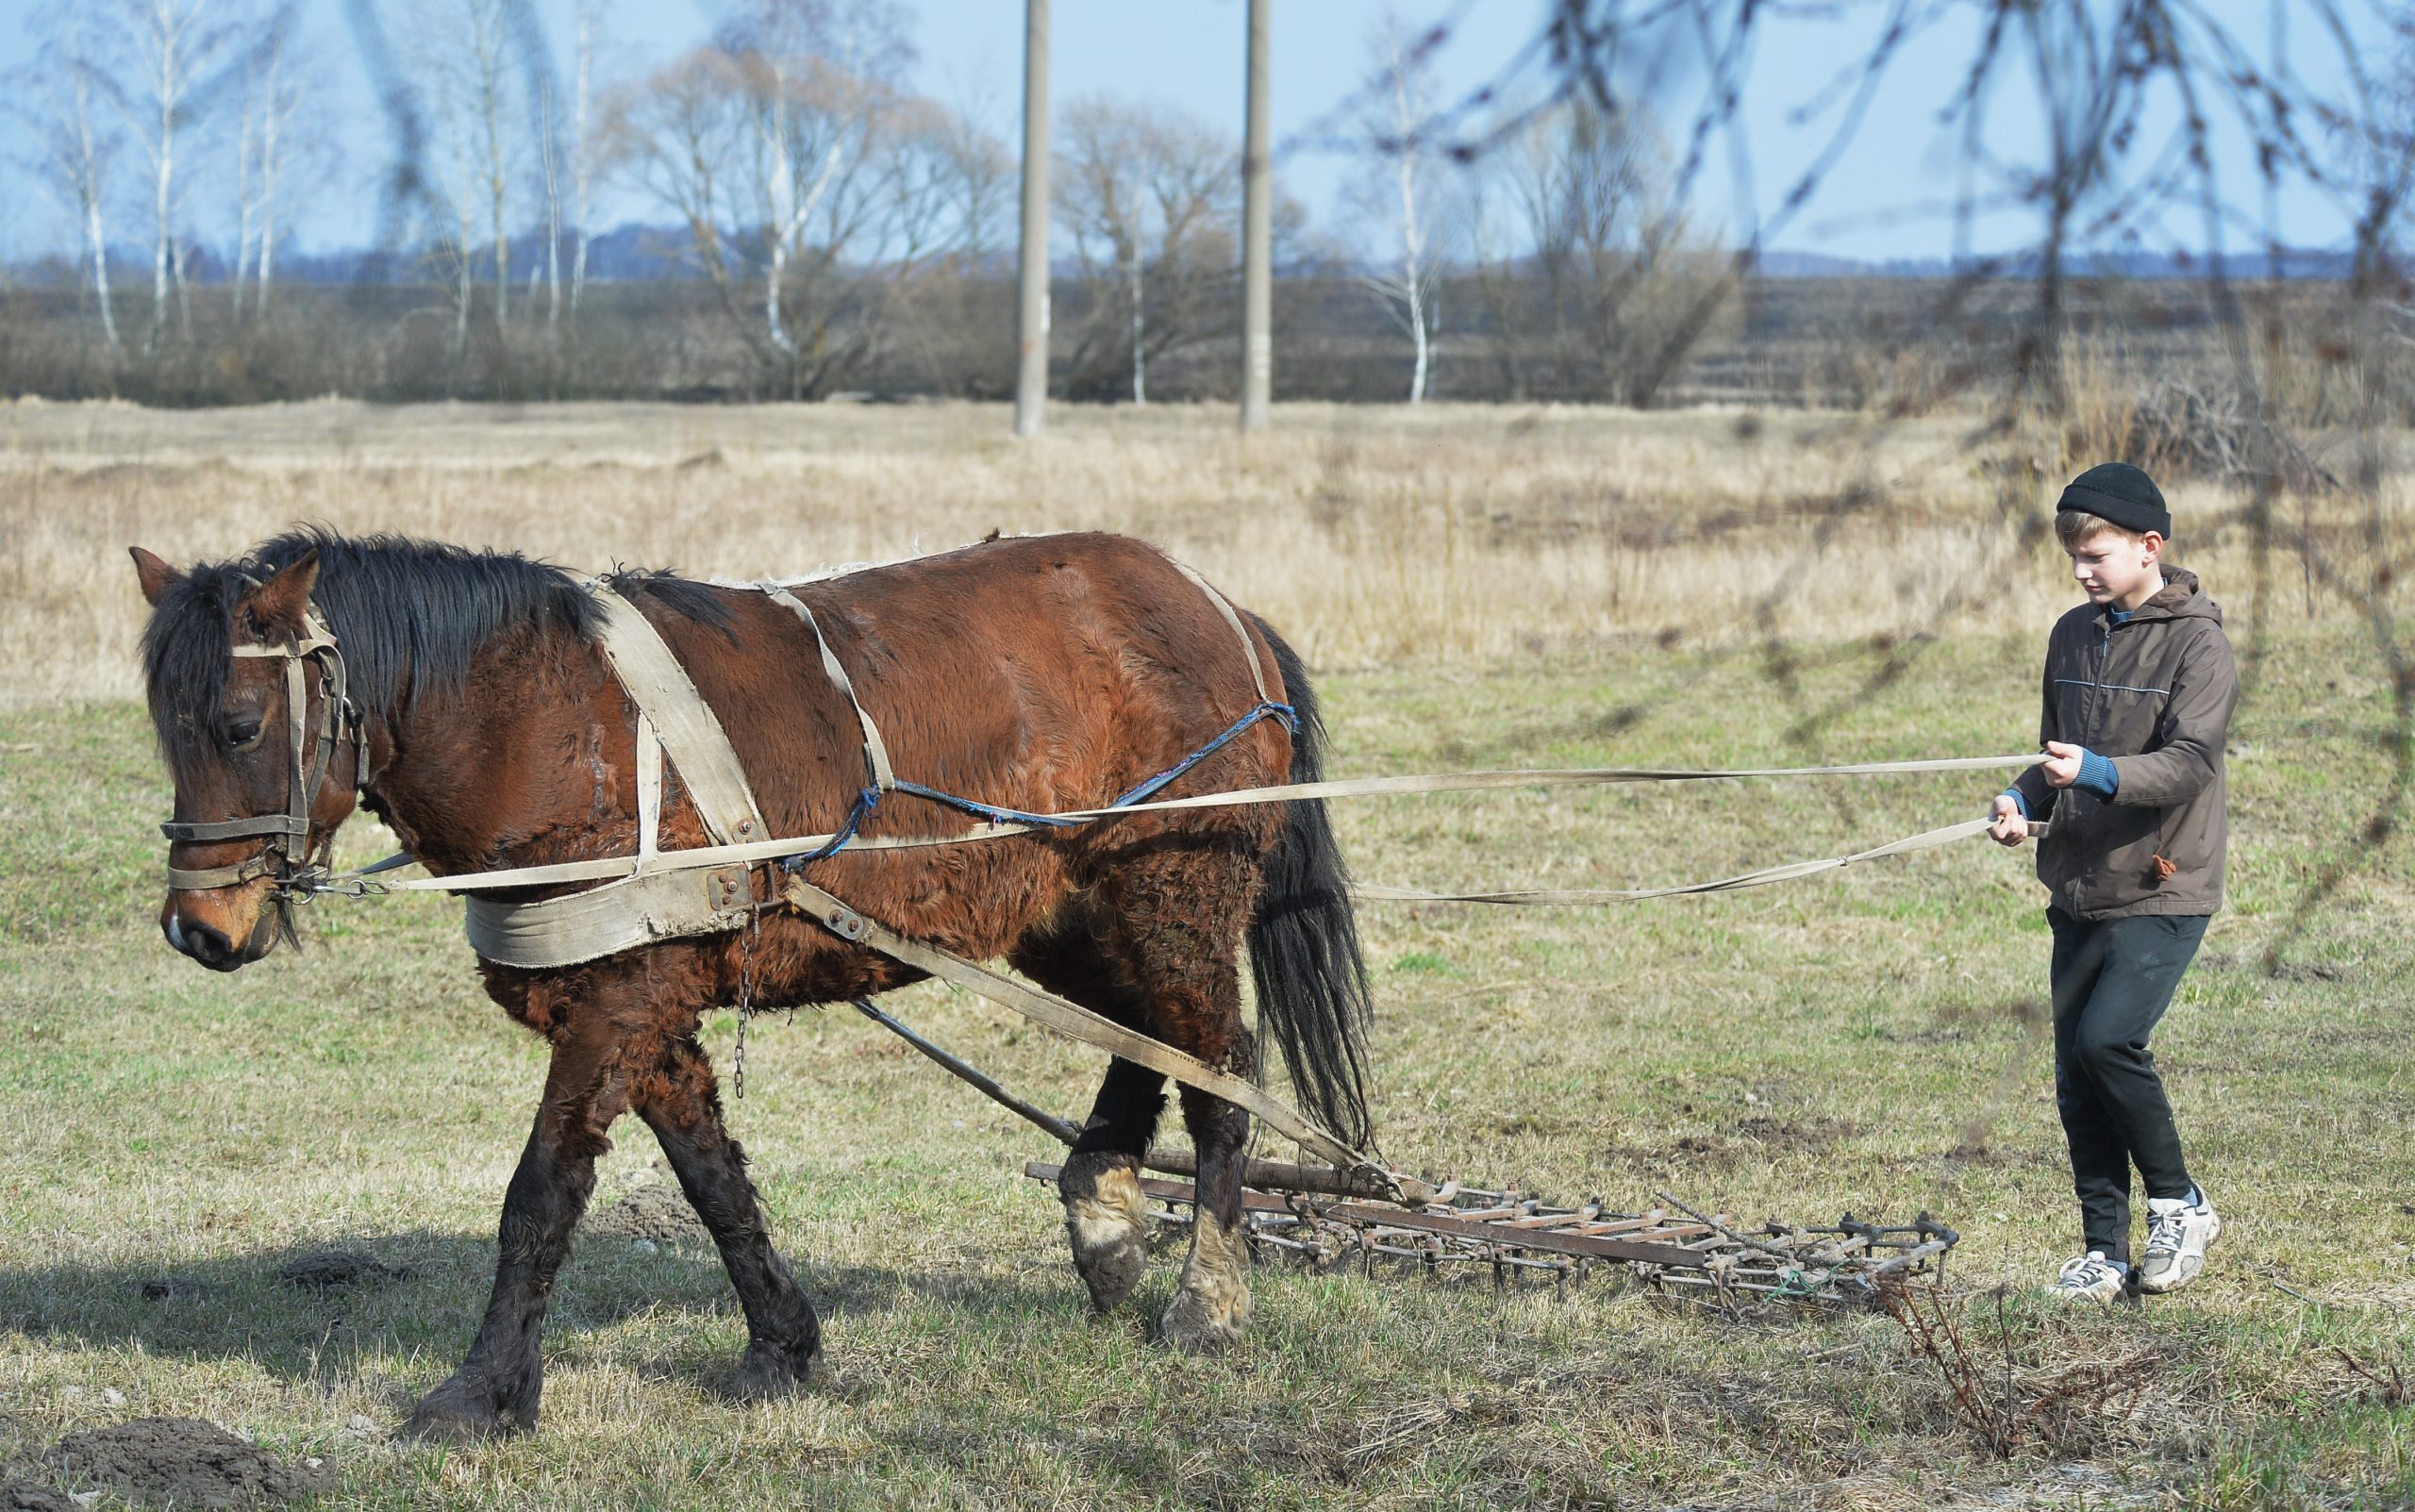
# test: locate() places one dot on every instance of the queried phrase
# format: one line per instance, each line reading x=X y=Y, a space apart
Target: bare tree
x=1588 y=258
x=60 y=99
x=1151 y=199
x=175 y=50
x=553 y=196
x=813 y=187
x=1401 y=188
x=484 y=36
x=582 y=172
x=268 y=151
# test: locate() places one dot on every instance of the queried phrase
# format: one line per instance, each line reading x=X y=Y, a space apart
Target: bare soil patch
x=655 y=1210
x=184 y=1462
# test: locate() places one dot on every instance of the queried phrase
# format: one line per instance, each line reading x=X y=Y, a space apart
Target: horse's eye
x=243 y=734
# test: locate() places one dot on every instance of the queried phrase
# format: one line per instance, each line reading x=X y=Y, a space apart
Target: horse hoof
x=454 y=1415
x=1111 y=1237
x=771 y=1371
x=1113 y=1269
x=1198 y=1324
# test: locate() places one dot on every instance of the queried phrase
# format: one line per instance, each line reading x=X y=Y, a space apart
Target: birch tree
x=582 y=146
x=1151 y=198
x=268 y=152
x=74 y=146
x=175 y=49
x=1403 y=189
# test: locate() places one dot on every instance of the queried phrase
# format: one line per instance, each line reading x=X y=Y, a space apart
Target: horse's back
x=1037 y=672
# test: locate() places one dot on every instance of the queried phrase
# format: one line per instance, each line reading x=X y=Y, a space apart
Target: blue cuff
x=2097 y=775
x=2017 y=800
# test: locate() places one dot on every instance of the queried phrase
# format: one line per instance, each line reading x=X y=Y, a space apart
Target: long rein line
x=797 y=851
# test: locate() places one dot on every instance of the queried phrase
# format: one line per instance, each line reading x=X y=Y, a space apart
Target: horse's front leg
x=496 y=1388
x=679 y=1102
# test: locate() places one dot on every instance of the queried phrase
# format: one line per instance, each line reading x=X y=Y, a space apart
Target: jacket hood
x=2182 y=597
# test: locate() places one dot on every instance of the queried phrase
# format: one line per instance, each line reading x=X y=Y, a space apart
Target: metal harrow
x=1673 y=1251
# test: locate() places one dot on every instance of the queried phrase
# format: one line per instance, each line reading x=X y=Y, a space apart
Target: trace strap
x=1075 y=1021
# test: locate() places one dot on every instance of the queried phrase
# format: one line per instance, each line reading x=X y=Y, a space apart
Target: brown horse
x=473 y=711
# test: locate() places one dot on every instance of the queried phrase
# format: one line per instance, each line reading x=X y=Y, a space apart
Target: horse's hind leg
x=679 y=1103
x=1175 y=920
x=1105 y=1218
x=497 y=1386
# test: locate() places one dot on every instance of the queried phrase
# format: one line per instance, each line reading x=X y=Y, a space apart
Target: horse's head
x=247 y=694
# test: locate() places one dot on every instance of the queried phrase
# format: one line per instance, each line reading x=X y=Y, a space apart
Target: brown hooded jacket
x=2154 y=694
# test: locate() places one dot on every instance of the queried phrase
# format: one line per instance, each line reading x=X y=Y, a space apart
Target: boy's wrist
x=2098 y=775
x=2018 y=802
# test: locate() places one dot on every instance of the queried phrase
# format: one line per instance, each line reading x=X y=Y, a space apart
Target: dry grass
x=1372 y=536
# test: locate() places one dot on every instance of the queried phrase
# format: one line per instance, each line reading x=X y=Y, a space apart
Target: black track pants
x=2112 y=980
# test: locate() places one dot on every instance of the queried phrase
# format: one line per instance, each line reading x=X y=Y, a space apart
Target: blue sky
x=1189 y=52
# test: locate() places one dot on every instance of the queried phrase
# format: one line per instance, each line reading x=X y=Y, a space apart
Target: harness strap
x=686 y=724
x=230 y=829
x=1232 y=617
x=1072 y=1020
x=879 y=774
x=649 y=789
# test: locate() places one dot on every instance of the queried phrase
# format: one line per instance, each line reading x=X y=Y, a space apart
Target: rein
x=286 y=859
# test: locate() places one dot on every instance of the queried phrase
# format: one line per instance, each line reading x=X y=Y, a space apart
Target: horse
x=462 y=698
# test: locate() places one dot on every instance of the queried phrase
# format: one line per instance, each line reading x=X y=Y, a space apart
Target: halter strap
x=307 y=767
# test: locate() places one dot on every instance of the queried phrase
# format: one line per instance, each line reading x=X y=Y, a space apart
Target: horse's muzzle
x=211 y=945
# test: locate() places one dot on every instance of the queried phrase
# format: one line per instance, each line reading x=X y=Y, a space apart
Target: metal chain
x=746 y=940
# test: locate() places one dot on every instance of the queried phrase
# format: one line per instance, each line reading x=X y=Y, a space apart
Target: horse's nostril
x=203 y=943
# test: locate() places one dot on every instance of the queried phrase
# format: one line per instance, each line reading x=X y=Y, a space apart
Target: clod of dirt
x=24 y=1496
x=336 y=1270
x=653 y=1211
x=161 y=1289
x=183 y=1462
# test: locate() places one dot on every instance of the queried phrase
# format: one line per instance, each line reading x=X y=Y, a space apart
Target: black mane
x=406 y=614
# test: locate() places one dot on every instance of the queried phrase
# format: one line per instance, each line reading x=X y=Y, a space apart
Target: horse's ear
x=280 y=603
x=157 y=575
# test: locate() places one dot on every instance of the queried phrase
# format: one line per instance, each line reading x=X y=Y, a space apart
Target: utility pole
x=1031 y=284
x=1257 y=239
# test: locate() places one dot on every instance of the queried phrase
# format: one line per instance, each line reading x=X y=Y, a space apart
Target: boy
x=2139 y=690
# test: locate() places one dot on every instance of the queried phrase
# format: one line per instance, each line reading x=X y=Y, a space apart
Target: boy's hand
x=2062 y=763
x=2007 y=826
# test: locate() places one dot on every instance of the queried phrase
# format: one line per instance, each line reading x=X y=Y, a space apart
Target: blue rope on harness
x=1270 y=710
x=870 y=797
x=866 y=801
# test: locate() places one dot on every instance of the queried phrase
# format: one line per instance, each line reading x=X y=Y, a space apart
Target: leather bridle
x=286 y=857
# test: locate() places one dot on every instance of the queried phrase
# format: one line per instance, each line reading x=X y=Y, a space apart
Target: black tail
x=1304 y=943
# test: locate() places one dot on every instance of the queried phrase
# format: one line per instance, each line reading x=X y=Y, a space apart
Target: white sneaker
x=2090 y=1278
x=2179 y=1232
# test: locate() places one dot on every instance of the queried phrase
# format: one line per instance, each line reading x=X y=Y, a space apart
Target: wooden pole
x=1258 y=289
x=1031 y=284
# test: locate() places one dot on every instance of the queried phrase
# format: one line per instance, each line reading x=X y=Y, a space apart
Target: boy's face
x=2115 y=567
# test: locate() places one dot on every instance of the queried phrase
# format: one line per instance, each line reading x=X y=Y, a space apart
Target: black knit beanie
x=2122 y=494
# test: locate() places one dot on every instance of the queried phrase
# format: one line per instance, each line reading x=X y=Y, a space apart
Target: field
x=1477 y=587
